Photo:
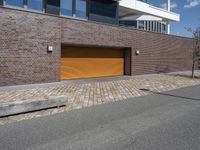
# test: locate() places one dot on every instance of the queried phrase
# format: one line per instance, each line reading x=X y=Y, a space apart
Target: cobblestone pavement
x=88 y=94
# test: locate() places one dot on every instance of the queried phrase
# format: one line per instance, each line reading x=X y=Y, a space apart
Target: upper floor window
x=149 y=25
x=130 y=23
x=154 y=26
x=53 y=7
x=18 y=3
x=66 y=7
x=81 y=8
x=77 y=8
x=163 y=30
x=104 y=8
x=1 y=2
x=35 y=4
x=159 y=27
x=141 y=25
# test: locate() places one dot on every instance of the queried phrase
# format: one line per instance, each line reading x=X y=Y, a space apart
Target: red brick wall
x=161 y=53
x=23 y=47
x=25 y=36
x=158 y=52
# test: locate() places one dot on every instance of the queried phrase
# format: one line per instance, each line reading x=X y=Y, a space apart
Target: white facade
x=139 y=10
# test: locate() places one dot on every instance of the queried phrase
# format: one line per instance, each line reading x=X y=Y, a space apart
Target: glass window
x=104 y=8
x=81 y=8
x=128 y=23
x=35 y=4
x=159 y=27
x=1 y=2
x=53 y=7
x=66 y=7
x=141 y=25
x=18 y=3
x=149 y=26
x=146 y=25
x=156 y=26
x=163 y=28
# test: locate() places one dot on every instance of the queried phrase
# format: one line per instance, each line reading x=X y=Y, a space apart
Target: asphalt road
x=169 y=121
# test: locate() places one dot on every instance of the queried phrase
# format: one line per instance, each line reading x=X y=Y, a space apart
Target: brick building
x=44 y=46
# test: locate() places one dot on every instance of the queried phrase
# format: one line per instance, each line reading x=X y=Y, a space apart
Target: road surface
x=160 y=121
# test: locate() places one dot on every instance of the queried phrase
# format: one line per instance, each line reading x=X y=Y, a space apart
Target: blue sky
x=189 y=11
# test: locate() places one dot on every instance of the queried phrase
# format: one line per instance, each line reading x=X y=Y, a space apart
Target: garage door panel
x=92 y=66
x=91 y=52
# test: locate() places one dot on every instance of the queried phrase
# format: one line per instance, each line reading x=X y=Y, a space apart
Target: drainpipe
x=168 y=9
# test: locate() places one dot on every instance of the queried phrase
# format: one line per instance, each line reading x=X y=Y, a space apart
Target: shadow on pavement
x=172 y=95
x=185 y=76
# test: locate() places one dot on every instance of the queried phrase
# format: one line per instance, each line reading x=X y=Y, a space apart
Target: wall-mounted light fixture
x=49 y=49
x=137 y=52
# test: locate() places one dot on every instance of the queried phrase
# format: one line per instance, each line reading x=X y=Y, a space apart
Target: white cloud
x=172 y=5
x=192 y=3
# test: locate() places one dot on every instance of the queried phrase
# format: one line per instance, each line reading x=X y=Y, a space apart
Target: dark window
x=141 y=25
x=1 y=2
x=154 y=26
x=159 y=27
x=35 y=4
x=81 y=8
x=148 y=26
x=53 y=7
x=18 y=3
x=151 y=25
x=66 y=7
x=163 y=28
x=128 y=23
x=106 y=8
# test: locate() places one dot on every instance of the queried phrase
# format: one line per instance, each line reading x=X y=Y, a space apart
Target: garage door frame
x=127 y=57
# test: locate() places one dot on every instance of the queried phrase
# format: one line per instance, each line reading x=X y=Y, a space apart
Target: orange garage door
x=88 y=62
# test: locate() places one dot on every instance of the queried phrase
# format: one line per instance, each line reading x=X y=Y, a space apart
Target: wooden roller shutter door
x=89 y=62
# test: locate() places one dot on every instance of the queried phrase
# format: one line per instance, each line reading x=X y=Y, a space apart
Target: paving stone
x=88 y=94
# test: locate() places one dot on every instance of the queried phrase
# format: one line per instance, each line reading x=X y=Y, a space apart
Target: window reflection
x=103 y=8
x=53 y=7
x=81 y=8
x=141 y=25
x=66 y=7
x=1 y=2
x=78 y=8
x=35 y=4
x=18 y=3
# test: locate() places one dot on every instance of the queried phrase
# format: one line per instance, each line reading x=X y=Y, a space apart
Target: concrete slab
x=19 y=107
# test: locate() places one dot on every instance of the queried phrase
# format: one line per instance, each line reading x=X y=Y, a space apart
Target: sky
x=189 y=11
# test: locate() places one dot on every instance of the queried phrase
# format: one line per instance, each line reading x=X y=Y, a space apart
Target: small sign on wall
x=49 y=49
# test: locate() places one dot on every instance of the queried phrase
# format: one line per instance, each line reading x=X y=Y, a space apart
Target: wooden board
x=88 y=62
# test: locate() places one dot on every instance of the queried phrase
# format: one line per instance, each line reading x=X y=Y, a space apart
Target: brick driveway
x=85 y=94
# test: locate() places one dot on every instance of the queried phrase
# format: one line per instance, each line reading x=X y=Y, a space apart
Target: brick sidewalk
x=87 y=94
